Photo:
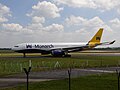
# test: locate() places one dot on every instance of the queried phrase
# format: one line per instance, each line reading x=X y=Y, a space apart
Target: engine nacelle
x=58 y=53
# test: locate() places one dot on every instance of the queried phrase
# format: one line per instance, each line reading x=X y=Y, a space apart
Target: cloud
x=32 y=28
x=35 y=26
x=72 y=20
x=77 y=3
x=37 y=19
x=15 y=29
x=115 y=24
x=45 y=9
x=54 y=28
x=118 y=11
x=4 y=13
x=3 y=19
x=95 y=22
x=84 y=22
x=106 y=4
x=12 y=26
x=102 y=5
x=15 y=33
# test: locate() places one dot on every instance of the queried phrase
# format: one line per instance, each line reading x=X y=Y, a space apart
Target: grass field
x=11 y=63
x=94 y=82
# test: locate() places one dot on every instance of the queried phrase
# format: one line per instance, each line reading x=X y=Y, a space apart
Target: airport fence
x=17 y=67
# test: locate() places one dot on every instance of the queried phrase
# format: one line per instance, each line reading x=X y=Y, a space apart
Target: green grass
x=6 y=51
x=94 y=82
x=11 y=63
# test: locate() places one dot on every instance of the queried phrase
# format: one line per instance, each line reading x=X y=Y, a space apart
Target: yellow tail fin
x=97 y=37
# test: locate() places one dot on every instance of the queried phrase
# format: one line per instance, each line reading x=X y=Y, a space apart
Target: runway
x=87 y=52
x=14 y=80
x=98 y=53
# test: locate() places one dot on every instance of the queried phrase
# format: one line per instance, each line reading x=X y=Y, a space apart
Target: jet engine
x=58 y=53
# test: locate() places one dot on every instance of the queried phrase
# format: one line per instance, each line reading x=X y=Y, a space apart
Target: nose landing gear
x=24 y=55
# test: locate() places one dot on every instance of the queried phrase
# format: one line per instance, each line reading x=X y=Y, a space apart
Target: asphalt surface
x=14 y=80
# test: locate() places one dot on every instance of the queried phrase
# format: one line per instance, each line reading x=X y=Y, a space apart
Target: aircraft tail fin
x=97 y=37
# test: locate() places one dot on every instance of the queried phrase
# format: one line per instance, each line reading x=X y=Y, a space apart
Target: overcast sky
x=58 y=21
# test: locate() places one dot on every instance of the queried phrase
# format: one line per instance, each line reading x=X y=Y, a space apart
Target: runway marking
x=102 y=71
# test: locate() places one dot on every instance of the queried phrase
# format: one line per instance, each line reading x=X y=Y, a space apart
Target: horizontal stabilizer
x=107 y=43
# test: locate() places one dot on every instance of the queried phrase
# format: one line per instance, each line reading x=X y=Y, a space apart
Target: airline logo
x=39 y=46
x=97 y=38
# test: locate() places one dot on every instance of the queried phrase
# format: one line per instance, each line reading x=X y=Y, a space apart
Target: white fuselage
x=46 y=46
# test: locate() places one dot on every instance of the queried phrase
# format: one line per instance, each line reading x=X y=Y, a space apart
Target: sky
x=24 y=21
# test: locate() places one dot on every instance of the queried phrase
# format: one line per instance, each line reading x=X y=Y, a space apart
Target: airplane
x=60 y=49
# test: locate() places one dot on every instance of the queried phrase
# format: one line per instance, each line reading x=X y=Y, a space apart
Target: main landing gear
x=65 y=55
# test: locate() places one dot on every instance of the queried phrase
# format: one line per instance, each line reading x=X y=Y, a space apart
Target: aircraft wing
x=72 y=49
x=85 y=47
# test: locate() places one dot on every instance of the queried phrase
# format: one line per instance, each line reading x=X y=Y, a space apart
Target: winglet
x=112 y=42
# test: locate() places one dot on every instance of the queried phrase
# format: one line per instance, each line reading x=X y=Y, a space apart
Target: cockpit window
x=16 y=46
